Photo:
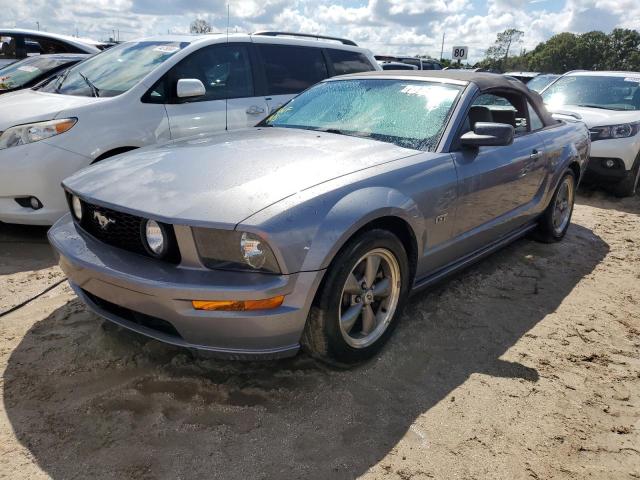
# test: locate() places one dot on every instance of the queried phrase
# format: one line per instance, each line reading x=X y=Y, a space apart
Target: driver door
x=498 y=185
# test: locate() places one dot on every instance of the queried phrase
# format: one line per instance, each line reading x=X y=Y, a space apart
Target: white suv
x=149 y=91
x=609 y=103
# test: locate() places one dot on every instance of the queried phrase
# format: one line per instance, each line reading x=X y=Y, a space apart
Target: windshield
x=20 y=73
x=410 y=114
x=538 y=83
x=606 y=92
x=114 y=71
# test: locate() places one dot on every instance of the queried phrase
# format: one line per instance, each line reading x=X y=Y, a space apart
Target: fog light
x=238 y=305
x=76 y=205
x=155 y=238
x=29 y=202
x=609 y=163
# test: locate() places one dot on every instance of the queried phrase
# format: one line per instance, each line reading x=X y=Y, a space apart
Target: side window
x=224 y=70
x=345 y=62
x=534 y=118
x=7 y=47
x=41 y=45
x=292 y=69
x=509 y=109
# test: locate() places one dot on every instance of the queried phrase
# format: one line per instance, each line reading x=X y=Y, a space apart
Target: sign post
x=459 y=53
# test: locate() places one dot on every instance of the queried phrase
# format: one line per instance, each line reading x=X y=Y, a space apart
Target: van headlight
x=232 y=250
x=623 y=130
x=34 y=132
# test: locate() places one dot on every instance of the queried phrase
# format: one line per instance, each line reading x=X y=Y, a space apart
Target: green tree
x=498 y=53
x=623 y=52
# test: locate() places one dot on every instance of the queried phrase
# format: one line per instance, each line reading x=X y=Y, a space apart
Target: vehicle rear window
x=292 y=69
x=345 y=62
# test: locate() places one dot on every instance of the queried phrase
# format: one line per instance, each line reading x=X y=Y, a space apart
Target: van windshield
x=113 y=71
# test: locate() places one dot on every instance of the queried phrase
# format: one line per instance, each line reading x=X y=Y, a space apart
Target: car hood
x=27 y=105
x=597 y=117
x=222 y=179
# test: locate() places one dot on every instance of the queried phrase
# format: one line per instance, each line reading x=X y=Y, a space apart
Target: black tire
x=322 y=336
x=546 y=231
x=629 y=185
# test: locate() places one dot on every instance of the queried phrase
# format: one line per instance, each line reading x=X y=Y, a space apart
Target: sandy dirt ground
x=526 y=366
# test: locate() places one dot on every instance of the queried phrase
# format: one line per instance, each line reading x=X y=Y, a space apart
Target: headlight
x=623 y=130
x=34 y=132
x=155 y=238
x=228 y=249
x=76 y=206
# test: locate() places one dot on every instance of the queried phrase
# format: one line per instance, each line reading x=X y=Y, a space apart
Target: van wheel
x=362 y=296
x=555 y=221
x=629 y=185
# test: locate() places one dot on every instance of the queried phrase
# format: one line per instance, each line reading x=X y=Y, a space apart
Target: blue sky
x=385 y=26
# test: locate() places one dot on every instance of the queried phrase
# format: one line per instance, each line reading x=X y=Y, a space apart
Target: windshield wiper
x=94 y=90
x=61 y=78
x=591 y=105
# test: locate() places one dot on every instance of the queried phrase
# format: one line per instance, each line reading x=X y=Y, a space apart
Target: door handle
x=255 y=110
x=535 y=155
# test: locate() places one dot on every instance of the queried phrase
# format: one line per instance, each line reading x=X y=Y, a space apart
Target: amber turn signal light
x=238 y=305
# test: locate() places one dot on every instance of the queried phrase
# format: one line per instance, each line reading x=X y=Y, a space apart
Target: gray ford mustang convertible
x=312 y=228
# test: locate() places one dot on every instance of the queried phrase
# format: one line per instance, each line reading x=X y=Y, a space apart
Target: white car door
x=229 y=101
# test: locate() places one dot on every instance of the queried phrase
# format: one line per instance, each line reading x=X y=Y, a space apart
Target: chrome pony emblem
x=103 y=220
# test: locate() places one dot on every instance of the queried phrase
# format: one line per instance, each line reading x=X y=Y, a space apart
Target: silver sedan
x=312 y=228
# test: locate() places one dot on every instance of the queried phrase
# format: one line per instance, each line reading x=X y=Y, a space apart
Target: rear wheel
x=629 y=186
x=555 y=220
x=361 y=298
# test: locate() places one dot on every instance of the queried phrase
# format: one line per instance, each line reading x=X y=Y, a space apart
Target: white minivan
x=148 y=91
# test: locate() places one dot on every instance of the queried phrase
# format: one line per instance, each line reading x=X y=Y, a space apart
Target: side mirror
x=486 y=134
x=189 y=88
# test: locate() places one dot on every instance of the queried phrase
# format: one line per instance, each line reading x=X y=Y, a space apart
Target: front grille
x=122 y=230
x=142 y=319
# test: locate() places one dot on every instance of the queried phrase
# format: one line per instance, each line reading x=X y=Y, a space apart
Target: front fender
x=353 y=212
x=309 y=230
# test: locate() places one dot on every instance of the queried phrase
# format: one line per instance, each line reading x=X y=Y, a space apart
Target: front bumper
x=154 y=298
x=37 y=170
x=623 y=152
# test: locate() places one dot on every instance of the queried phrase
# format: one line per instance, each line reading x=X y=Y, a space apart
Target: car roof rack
x=344 y=41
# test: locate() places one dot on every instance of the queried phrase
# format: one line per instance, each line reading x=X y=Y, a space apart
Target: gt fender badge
x=441 y=218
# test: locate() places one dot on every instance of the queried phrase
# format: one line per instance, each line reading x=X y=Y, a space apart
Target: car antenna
x=226 y=83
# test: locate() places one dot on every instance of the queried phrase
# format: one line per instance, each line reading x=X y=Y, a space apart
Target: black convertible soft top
x=483 y=80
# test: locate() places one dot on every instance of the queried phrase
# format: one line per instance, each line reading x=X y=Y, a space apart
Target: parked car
x=542 y=81
x=148 y=91
x=524 y=77
x=396 y=66
x=313 y=227
x=16 y=44
x=33 y=70
x=419 y=63
x=609 y=104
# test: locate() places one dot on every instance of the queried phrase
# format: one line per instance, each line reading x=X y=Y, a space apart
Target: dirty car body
x=305 y=192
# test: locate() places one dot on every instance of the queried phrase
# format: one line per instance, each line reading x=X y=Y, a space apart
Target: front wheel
x=361 y=298
x=555 y=221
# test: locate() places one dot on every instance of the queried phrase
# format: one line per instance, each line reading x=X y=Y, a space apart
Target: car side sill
x=464 y=262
